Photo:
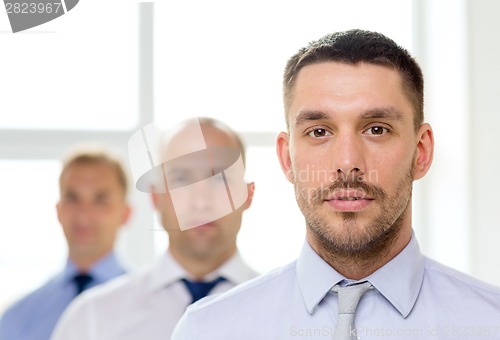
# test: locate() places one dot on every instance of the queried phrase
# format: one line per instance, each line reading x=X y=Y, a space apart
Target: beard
x=350 y=240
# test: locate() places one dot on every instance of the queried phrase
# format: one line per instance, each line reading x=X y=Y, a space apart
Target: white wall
x=458 y=46
x=442 y=207
x=484 y=121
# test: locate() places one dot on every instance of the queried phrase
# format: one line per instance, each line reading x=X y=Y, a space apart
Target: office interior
x=108 y=68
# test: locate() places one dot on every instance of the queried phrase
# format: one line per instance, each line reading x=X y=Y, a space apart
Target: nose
x=206 y=193
x=348 y=156
x=83 y=212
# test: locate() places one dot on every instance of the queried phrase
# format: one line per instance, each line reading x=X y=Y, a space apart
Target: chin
x=203 y=252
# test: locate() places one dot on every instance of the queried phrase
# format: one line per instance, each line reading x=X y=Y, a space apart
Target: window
x=76 y=72
x=31 y=240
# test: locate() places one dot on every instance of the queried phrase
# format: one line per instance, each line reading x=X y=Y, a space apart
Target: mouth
x=349 y=200
x=349 y=194
x=204 y=226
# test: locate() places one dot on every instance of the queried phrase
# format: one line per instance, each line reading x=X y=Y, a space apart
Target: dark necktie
x=199 y=290
x=82 y=282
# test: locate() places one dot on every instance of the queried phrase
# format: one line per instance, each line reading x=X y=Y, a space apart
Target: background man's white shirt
x=142 y=305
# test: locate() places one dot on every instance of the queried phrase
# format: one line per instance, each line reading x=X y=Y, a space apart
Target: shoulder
x=29 y=303
x=31 y=309
x=261 y=289
x=118 y=290
x=114 y=294
x=455 y=281
x=221 y=315
x=97 y=306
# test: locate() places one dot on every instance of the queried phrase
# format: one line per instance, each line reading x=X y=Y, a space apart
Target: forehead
x=334 y=86
x=188 y=138
x=89 y=174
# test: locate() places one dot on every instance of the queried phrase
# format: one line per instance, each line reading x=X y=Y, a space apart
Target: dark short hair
x=353 y=47
x=89 y=155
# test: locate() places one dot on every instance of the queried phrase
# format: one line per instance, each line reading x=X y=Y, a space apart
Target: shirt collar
x=315 y=277
x=400 y=280
x=167 y=271
x=164 y=272
x=103 y=270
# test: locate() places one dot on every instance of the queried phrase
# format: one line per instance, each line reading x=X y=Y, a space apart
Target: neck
x=85 y=262
x=199 y=266
x=359 y=265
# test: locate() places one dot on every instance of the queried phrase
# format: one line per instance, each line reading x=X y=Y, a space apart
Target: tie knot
x=200 y=289
x=349 y=296
x=82 y=282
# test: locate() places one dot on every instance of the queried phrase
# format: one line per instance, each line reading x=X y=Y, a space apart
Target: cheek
x=165 y=205
x=388 y=169
x=112 y=212
x=167 y=212
x=312 y=170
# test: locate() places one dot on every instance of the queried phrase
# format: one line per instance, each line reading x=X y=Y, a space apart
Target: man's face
x=91 y=209
x=196 y=200
x=351 y=153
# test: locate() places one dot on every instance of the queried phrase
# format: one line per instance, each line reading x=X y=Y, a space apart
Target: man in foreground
x=356 y=141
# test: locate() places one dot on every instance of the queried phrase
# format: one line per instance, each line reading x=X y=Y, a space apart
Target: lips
x=349 y=195
x=346 y=200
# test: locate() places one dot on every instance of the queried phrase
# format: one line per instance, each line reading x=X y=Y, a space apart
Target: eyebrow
x=377 y=113
x=305 y=116
x=385 y=112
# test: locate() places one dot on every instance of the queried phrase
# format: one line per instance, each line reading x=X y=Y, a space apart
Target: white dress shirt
x=414 y=298
x=144 y=305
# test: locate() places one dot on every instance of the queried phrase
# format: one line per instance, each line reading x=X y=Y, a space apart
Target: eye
x=70 y=197
x=102 y=198
x=179 y=179
x=318 y=133
x=377 y=130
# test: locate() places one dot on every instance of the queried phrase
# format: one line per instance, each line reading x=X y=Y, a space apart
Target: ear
x=155 y=197
x=425 y=151
x=155 y=200
x=58 y=209
x=251 y=190
x=126 y=214
x=283 y=151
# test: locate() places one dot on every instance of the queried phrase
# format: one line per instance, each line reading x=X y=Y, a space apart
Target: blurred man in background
x=92 y=209
x=202 y=257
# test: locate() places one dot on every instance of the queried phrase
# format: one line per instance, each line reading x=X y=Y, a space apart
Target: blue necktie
x=199 y=290
x=82 y=282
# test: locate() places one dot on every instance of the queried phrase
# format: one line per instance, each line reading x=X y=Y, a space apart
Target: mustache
x=369 y=190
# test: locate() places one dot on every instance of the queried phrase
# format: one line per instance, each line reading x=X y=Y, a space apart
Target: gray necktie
x=349 y=297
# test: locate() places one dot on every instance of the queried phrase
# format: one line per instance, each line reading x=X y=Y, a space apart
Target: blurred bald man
x=191 y=195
